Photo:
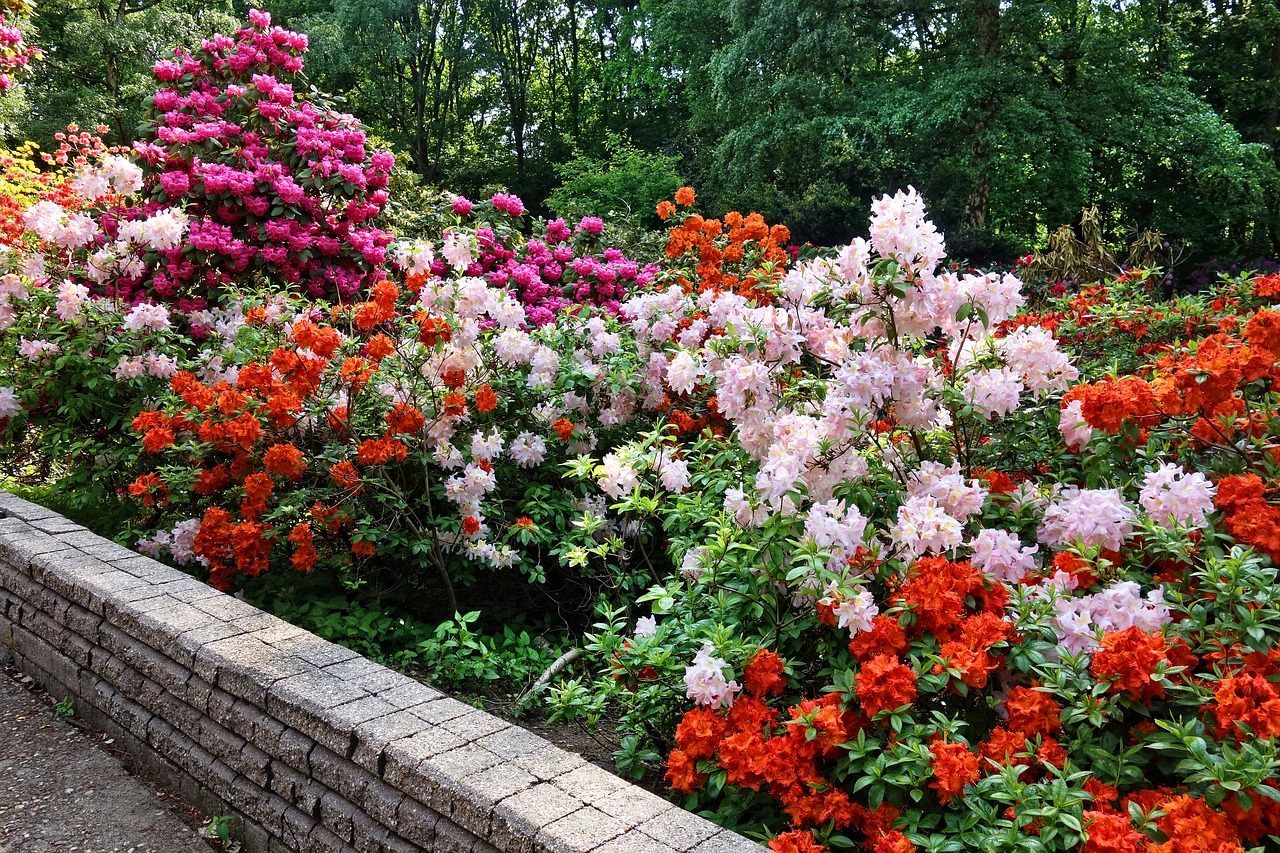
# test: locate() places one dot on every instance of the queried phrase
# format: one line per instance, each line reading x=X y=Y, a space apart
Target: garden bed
x=316 y=747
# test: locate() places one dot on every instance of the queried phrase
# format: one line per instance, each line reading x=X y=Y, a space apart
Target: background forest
x=1009 y=115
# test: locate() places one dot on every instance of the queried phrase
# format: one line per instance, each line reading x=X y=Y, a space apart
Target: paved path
x=61 y=791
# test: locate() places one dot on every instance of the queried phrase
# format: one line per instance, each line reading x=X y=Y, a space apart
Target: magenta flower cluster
x=275 y=185
x=555 y=271
x=15 y=54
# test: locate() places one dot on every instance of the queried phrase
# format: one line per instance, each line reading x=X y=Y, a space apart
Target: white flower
x=646 y=626
x=705 y=683
x=528 y=450
x=145 y=316
x=9 y=405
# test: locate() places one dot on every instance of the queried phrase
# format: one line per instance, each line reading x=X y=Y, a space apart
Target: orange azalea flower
x=210 y=481
x=1128 y=659
x=564 y=428
x=355 y=372
x=257 y=490
x=954 y=767
x=285 y=460
x=700 y=732
x=363 y=548
x=764 y=675
x=323 y=341
x=305 y=556
x=682 y=773
x=486 y=399
x=379 y=347
x=344 y=475
x=434 y=330
x=685 y=197
x=455 y=405
x=157 y=439
x=1033 y=712
x=885 y=684
x=380 y=451
x=152 y=489
x=405 y=419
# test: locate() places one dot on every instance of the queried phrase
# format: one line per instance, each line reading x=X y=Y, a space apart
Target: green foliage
x=98 y=58
x=628 y=181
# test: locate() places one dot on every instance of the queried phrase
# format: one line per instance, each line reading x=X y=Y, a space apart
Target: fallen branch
x=551 y=672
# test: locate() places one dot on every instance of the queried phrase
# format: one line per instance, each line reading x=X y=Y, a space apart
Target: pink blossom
x=1172 y=496
x=1089 y=517
x=9 y=404
x=1075 y=431
x=1001 y=554
x=705 y=683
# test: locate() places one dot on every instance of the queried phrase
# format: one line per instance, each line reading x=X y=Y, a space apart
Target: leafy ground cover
x=854 y=548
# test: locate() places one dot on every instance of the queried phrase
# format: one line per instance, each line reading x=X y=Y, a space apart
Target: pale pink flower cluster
x=52 y=224
x=1081 y=622
x=71 y=300
x=528 y=450
x=853 y=612
x=1072 y=426
x=1093 y=518
x=129 y=367
x=947 y=486
x=899 y=230
x=705 y=683
x=165 y=230
x=9 y=405
x=924 y=527
x=147 y=317
x=1001 y=554
x=12 y=290
x=683 y=372
x=618 y=476
x=37 y=350
x=413 y=256
x=1172 y=496
x=179 y=542
x=673 y=472
x=994 y=393
x=646 y=626
x=459 y=249
x=1032 y=353
x=114 y=174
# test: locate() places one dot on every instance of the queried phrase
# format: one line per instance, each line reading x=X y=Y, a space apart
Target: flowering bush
x=905 y=613
x=15 y=53
x=419 y=428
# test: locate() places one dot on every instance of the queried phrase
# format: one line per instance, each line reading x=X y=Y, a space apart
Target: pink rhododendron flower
x=1094 y=518
x=705 y=683
x=1171 y=496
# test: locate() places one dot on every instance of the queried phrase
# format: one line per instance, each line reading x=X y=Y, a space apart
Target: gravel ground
x=61 y=790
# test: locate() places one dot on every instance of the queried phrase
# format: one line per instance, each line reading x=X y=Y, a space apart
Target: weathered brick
x=474 y=725
x=578 y=832
x=337 y=773
x=725 y=841
x=679 y=829
x=417 y=823
x=336 y=813
x=373 y=736
x=518 y=818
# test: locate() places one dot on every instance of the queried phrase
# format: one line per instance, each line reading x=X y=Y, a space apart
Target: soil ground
x=61 y=789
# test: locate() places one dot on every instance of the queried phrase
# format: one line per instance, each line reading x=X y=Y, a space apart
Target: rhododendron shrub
x=273 y=180
x=74 y=365
x=417 y=431
x=15 y=54
x=907 y=609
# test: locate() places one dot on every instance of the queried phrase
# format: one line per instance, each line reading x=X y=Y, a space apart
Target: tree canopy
x=1010 y=116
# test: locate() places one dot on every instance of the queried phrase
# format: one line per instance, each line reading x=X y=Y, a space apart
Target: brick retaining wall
x=315 y=747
